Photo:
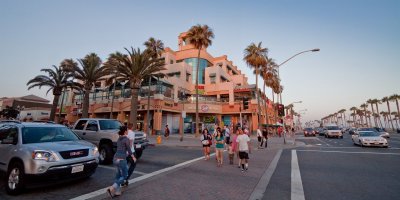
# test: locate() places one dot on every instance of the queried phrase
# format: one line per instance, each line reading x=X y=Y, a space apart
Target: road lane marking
x=324 y=142
x=258 y=192
x=140 y=178
x=113 y=168
x=297 y=192
x=351 y=152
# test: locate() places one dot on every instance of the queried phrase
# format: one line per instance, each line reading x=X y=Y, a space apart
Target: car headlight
x=44 y=155
x=383 y=140
x=95 y=151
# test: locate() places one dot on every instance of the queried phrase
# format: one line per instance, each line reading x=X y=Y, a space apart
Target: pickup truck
x=104 y=134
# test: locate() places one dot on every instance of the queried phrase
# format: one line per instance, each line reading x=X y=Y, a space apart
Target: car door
x=79 y=128
x=91 y=131
x=8 y=144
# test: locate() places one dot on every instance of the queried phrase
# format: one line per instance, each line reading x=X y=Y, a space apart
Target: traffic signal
x=281 y=110
x=245 y=103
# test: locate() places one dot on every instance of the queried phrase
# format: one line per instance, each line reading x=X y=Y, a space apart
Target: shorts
x=243 y=155
x=206 y=145
x=259 y=139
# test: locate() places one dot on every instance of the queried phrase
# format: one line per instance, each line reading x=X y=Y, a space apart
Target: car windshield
x=308 y=129
x=333 y=128
x=367 y=129
x=369 y=134
x=47 y=134
x=109 y=124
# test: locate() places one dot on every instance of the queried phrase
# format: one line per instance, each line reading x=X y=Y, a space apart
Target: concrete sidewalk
x=201 y=179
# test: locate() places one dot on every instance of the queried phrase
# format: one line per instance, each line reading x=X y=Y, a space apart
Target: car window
x=109 y=124
x=92 y=126
x=8 y=135
x=47 y=134
x=369 y=134
x=80 y=125
x=333 y=128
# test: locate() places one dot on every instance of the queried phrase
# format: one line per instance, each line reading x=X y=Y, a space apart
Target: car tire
x=106 y=154
x=138 y=153
x=15 y=178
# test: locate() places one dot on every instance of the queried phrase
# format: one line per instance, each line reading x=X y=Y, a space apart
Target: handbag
x=205 y=142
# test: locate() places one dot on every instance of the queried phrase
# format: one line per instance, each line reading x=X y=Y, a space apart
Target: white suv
x=31 y=153
x=333 y=131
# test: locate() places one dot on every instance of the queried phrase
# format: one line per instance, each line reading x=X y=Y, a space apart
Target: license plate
x=138 y=146
x=76 y=169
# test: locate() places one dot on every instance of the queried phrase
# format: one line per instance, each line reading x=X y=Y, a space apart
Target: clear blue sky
x=359 y=41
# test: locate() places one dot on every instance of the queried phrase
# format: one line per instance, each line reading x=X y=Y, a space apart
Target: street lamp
x=280 y=94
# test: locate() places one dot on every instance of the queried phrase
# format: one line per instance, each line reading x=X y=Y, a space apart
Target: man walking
x=131 y=159
x=227 y=134
x=243 y=141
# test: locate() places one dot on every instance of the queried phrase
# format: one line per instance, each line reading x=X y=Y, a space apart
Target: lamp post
x=280 y=94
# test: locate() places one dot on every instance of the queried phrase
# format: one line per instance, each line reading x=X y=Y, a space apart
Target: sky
x=359 y=41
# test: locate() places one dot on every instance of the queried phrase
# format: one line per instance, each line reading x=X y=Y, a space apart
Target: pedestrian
x=260 y=138
x=247 y=132
x=166 y=131
x=265 y=137
x=219 y=147
x=129 y=158
x=243 y=141
x=123 y=149
x=231 y=153
x=206 y=140
x=227 y=134
x=235 y=146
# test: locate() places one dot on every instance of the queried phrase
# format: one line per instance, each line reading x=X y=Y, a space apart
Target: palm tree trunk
x=85 y=108
x=258 y=98
x=134 y=103
x=390 y=116
x=373 y=115
x=379 y=117
x=197 y=94
x=54 y=107
x=397 y=104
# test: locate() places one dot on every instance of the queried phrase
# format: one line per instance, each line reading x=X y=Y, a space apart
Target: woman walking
x=219 y=147
x=206 y=140
x=123 y=149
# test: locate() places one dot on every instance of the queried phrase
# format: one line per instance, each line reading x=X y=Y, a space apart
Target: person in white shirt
x=131 y=161
x=260 y=138
x=243 y=141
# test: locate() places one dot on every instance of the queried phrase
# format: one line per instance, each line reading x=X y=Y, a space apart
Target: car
x=383 y=132
x=378 y=130
x=369 y=138
x=318 y=130
x=34 y=153
x=308 y=132
x=333 y=131
x=352 y=131
x=104 y=134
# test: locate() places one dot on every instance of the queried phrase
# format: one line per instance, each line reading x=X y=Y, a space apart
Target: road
x=335 y=169
x=153 y=159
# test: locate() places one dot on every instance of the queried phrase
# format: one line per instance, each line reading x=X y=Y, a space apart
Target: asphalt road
x=336 y=169
x=153 y=159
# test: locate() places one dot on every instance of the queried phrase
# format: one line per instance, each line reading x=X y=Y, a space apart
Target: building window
x=171 y=62
x=187 y=77
x=212 y=79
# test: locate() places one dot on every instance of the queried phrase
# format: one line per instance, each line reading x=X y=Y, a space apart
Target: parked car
x=308 y=132
x=32 y=153
x=104 y=134
x=383 y=132
x=333 y=131
x=369 y=138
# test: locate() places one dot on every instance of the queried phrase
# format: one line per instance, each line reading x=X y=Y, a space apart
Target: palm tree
x=371 y=102
x=364 y=106
x=200 y=37
x=57 y=80
x=385 y=114
x=155 y=47
x=386 y=99
x=396 y=98
x=134 y=67
x=395 y=117
x=353 y=109
x=255 y=57
x=89 y=74
x=376 y=101
x=342 y=112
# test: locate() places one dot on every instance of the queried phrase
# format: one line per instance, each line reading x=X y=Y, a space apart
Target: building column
x=158 y=121
x=254 y=120
x=219 y=119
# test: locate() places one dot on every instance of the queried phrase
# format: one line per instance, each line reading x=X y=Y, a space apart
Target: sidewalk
x=202 y=179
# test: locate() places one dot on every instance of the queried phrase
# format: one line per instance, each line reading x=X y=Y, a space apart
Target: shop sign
x=168 y=104
x=209 y=119
x=204 y=108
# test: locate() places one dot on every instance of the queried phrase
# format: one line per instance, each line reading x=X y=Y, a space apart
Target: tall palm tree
x=342 y=113
x=155 y=47
x=89 y=74
x=200 y=37
x=364 y=106
x=396 y=118
x=385 y=114
x=255 y=57
x=353 y=109
x=57 y=80
x=396 y=98
x=376 y=101
x=371 y=102
x=386 y=99
x=134 y=67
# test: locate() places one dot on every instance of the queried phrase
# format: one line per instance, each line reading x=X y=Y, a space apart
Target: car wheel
x=138 y=153
x=15 y=178
x=106 y=154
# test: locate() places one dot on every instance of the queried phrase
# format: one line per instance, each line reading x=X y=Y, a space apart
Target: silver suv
x=104 y=134
x=31 y=153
